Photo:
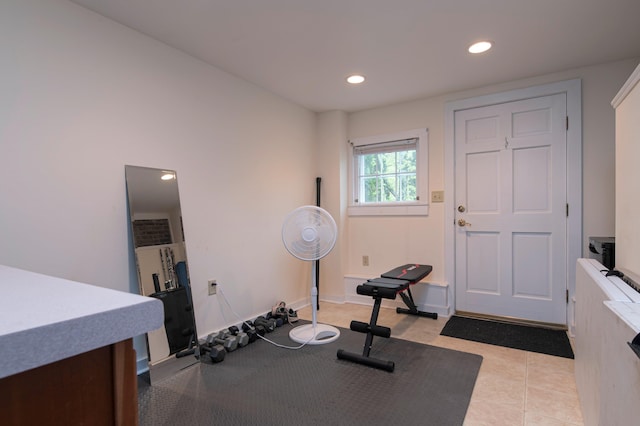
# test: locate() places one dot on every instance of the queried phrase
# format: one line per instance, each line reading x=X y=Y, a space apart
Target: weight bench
x=397 y=281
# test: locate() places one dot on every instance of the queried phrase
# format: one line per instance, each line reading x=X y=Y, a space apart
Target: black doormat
x=527 y=338
x=264 y=385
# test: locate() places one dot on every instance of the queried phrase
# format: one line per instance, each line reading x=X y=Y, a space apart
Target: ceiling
x=303 y=50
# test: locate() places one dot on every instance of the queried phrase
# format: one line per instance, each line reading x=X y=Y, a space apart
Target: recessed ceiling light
x=168 y=176
x=479 y=47
x=355 y=79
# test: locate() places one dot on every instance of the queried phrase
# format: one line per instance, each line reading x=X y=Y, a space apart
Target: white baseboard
x=142 y=365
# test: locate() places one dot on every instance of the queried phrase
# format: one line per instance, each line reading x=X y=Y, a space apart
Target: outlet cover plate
x=437 y=196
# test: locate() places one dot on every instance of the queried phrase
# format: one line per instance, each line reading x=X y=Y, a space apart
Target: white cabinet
x=627 y=105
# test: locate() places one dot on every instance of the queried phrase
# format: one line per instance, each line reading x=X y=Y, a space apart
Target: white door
x=510 y=201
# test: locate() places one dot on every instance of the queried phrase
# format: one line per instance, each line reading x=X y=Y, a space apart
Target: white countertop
x=45 y=319
x=623 y=300
x=627 y=312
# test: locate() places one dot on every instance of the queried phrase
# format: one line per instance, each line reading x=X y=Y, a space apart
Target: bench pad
x=410 y=272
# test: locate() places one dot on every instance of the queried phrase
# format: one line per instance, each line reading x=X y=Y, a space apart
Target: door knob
x=462 y=222
x=461 y=208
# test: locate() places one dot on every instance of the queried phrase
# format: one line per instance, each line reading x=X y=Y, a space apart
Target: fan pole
x=317 y=262
x=314 y=298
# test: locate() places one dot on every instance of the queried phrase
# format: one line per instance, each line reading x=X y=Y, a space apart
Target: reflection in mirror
x=163 y=273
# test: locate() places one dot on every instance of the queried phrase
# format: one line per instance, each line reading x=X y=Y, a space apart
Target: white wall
x=392 y=241
x=81 y=96
x=332 y=165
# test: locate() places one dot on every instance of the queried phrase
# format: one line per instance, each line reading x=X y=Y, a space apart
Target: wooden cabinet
x=98 y=387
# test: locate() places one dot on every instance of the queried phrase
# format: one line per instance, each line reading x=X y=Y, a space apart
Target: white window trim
x=419 y=207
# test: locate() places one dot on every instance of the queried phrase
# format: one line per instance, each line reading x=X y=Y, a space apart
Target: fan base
x=314 y=335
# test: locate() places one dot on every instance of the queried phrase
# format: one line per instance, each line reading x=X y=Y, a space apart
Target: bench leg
x=413 y=309
x=366 y=360
x=371 y=329
x=368 y=341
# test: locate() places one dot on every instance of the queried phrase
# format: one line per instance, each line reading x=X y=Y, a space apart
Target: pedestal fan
x=309 y=233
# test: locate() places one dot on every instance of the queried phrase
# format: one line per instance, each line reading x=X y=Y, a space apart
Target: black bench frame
x=397 y=281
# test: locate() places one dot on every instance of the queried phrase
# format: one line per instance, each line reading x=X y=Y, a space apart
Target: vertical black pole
x=318 y=181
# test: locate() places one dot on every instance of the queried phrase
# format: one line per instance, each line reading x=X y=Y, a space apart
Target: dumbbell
x=278 y=319
x=230 y=343
x=243 y=338
x=249 y=326
x=252 y=334
x=216 y=352
x=268 y=324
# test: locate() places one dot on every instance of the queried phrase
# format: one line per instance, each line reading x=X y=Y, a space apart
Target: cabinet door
x=98 y=387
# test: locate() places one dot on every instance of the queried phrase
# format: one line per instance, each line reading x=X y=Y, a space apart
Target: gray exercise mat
x=264 y=385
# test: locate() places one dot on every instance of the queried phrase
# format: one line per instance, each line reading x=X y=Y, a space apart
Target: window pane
x=369 y=164
x=407 y=187
x=371 y=190
x=390 y=190
x=387 y=162
x=407 y=161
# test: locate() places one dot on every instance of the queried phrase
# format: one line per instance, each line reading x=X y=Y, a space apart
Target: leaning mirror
x=161 y=261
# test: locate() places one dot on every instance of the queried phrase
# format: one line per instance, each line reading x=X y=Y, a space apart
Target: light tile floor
x=513 y=387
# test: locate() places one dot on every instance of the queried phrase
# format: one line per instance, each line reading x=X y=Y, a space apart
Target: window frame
x=419 y=207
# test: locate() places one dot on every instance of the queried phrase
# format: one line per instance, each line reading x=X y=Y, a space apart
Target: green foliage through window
x=387 y=175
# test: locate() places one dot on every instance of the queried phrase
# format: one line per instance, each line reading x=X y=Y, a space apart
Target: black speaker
x=178 y=320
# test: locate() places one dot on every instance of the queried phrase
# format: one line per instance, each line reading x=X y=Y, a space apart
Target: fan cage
x=309 y=233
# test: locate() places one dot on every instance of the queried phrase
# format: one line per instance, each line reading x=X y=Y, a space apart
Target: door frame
x=573 y=91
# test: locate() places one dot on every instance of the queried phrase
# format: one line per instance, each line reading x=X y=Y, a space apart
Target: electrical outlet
x=437 y=196
x=213 y=286
x=365 y=260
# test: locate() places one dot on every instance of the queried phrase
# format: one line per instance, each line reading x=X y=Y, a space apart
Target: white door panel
x=482 y=269
x=510 y=187
x=531 y=265
x=483 y=173
x=531 y=180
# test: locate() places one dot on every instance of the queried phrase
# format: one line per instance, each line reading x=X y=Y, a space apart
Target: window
x=389 y=174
